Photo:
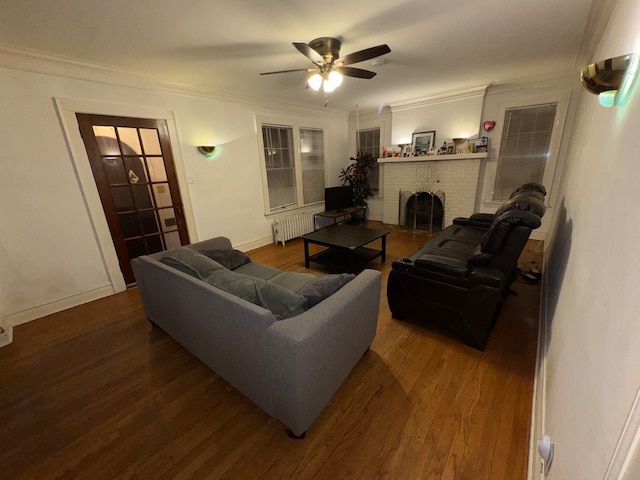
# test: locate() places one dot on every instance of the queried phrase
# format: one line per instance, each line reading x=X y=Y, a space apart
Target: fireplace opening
x=422 y=210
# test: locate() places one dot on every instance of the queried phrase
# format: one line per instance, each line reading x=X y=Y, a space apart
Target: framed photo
x=422 y=142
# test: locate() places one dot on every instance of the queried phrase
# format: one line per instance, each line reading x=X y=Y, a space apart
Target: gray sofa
x=289 y=367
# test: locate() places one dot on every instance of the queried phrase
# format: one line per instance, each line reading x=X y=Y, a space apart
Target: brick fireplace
x=457 y=177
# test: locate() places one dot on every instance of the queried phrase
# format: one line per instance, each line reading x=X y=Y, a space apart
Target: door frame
x=67 y=109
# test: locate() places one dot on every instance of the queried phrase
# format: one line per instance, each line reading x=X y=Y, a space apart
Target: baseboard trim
x=539 y=385
x=260 y=242
x=40 y=311
x=628 y=446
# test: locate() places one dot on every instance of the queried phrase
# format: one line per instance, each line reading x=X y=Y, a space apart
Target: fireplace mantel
x=434 y=158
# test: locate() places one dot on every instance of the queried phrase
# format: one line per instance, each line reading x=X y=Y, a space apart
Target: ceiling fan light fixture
x=315 y=81
x=333 y=81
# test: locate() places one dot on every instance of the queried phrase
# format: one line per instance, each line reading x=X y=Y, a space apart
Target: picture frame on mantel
x=422 y=142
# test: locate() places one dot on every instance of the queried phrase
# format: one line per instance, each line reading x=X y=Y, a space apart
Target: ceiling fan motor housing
x=328 y=47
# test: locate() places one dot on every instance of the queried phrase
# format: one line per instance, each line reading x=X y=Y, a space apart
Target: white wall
x=591 y=351
x=50 y=257
x=451 y=115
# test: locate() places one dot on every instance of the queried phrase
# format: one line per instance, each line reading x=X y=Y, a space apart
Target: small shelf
x=435 y=158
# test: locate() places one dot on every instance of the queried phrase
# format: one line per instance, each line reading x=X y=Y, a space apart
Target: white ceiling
x=222 y=45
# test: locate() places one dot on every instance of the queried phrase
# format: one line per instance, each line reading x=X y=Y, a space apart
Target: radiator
x=292 y=226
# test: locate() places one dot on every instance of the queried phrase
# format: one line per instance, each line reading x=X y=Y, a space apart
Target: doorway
x=135 y=175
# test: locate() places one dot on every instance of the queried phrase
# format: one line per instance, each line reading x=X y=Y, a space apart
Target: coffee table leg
x=384 y=248
x=306 y=254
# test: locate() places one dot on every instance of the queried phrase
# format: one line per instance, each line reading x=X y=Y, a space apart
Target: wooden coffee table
x=346 y=245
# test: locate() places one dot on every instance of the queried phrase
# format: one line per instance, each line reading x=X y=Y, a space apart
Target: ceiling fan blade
x=356 y=72
x=363 y=55
x=288 y=71
x=309 y=52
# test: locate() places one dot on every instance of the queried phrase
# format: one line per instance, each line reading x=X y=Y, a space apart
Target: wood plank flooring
x=95 y=392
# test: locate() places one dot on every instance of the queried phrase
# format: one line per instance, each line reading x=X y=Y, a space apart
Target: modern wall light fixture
x=206 y=150
x=611 y=79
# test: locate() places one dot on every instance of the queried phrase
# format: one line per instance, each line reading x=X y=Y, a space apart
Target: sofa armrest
x=311 y=355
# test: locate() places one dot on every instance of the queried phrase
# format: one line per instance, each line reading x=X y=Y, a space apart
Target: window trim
x=562 y=98
x=296 y=125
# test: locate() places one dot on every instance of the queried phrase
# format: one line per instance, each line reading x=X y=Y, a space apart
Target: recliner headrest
x=528 y=201
x=529 y=187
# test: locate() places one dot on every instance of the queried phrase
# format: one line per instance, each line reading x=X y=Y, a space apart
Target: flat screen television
x=337 y=199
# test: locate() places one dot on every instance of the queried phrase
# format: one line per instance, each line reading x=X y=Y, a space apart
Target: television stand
x=338 y=216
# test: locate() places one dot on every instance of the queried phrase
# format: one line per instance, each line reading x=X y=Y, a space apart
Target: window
x=525 y=147
x=293 y=159
x=312 y=153
x=368 y=141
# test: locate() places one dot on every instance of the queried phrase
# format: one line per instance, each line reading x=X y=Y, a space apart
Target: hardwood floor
x=95 y=392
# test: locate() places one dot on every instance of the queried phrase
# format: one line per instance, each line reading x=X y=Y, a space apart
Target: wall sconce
x=206 y=150
x=610 y=79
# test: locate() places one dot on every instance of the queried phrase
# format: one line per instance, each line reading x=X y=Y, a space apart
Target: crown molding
x=450 y=96
x=27 y=60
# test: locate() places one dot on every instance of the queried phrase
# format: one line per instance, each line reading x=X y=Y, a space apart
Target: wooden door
x=134 y=171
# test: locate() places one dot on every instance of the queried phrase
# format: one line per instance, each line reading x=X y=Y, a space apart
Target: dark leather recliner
x=460 y=278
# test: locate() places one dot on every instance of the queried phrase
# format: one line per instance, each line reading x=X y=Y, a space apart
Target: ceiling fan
x=324 y=52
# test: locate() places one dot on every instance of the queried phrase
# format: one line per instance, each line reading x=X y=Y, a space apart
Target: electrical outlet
x=546 y=452
x=6 y=335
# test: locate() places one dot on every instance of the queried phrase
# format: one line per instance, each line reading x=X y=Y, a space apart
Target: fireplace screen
x=422 y=210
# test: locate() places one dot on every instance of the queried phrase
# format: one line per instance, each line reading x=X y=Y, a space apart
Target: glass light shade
x=333 y=81
x=608 y=98
x=315 y=81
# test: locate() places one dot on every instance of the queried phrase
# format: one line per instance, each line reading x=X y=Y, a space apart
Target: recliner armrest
x=477 y=220
x=446 y=265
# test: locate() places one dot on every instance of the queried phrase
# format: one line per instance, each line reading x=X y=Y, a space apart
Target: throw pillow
x=323 y=286
x=189 y=261
x=282 y=303
x=230 y=259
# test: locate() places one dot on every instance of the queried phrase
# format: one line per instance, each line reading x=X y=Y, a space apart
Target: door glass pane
x=154 y=244
x=163 y=196
x=106 y=139
x=122 y=199
x=150 y=141
x=156 y=169
x=129 y=225
x=114 y=168
x=129 y=137
x=142 y=196
x=135 y=170
x=136 y=247
x=167 y=219
x=172 y=239
x=149 y=222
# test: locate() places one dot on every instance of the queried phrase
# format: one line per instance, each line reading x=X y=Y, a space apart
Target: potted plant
x=357 y=175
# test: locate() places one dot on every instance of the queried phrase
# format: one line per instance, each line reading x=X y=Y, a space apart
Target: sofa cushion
x=291 y=280
x=258 y=270
x=230 y=259
x=191 y=262
x=323 y=286
x=282 y=303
